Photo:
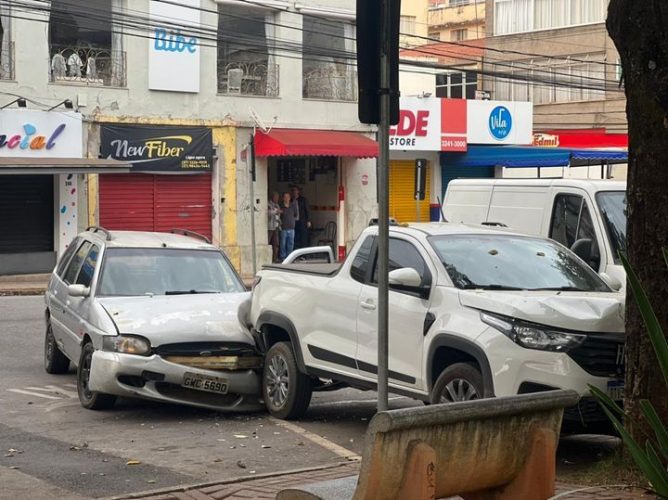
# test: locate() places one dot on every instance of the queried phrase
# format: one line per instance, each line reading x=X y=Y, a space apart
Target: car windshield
x=166 y=271
x=505 y=262
x=612 y=205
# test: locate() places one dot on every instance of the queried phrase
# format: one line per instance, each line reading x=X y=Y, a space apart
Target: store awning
x=301 y=142
x=593 y=156
x=50 y=166
x=508 y=156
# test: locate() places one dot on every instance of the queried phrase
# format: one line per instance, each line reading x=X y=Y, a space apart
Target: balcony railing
x=331 y=83
x=7 y=62
x=248 y=78
x=87 y=66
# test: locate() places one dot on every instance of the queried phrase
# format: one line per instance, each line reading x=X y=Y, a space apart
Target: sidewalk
x=24 y=284
x=268 y=485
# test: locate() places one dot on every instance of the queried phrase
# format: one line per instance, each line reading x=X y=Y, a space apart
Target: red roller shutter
x=144 y=202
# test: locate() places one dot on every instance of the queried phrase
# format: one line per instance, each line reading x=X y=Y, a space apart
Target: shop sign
x=499 y=122
x=159 y=149
x=40 y=134
x=430 y=124
x=546 y=140
x=174 y=53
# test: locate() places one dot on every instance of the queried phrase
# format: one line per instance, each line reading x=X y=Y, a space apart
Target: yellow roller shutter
x=402 y=183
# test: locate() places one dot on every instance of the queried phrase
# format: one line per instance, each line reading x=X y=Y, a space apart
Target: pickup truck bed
x=316 y=269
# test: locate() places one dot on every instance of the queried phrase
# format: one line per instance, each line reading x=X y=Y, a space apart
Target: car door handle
x=368 y=305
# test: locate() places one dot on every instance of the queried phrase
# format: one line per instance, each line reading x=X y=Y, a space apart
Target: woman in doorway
x=274 y=224
x=289 y=214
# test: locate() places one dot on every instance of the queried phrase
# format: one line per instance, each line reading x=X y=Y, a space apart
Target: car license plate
x=205 y=383
x=616 y=390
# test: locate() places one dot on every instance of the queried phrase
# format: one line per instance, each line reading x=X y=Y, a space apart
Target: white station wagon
x=151 y=315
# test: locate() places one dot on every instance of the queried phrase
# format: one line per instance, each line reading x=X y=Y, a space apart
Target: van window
x=572 y=221
x=360 y=264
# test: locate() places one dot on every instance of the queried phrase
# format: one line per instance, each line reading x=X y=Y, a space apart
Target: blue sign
x=500 y=122
x=174 y=42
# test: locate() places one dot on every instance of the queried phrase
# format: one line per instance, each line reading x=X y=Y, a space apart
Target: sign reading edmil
x=159 y=149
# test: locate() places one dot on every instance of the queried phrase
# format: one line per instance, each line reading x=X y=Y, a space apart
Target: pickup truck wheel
x=286 y=391
x=458 y=382
x=90 y=400
x=55 y=361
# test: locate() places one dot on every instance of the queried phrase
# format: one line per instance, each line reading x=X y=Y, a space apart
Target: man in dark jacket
x=303 y=224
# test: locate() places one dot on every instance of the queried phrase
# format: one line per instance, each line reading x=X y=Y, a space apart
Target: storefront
x=42 y=187
x=171 y=181
x=327 y=166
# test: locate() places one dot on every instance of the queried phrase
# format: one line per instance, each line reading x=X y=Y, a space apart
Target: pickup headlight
x=533 y=336
x=128 y=344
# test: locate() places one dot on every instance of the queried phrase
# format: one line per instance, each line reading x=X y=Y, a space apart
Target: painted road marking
x=36 y=394
x=73 y=386
x=55 y=389
x=319 y=440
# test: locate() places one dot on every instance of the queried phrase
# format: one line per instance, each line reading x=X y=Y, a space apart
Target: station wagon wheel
x=458 y=382
x=286 y=391
x=89 y=399
x=55 y=361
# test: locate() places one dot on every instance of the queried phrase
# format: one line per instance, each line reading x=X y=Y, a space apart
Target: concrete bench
x=498 y=448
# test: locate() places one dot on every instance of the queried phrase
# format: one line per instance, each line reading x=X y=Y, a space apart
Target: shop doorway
x=403 y=206
x=26 y=224
x=319 y=178
x=148 y=202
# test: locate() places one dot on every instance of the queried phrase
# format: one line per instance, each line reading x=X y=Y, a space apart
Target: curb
x=241 y=479
x=13 y=292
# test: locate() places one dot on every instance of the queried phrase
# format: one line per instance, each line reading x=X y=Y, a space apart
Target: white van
x=588 y=216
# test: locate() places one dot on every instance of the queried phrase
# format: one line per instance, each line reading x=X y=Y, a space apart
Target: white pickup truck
x=474 y=312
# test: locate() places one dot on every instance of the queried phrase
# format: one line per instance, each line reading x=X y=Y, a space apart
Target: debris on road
x=132 y=462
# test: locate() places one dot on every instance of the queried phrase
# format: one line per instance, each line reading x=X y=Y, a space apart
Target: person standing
x=304 y=221
x=274 y=224
x=289 y=215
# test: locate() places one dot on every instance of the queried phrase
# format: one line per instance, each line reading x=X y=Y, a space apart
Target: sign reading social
x=174 y=53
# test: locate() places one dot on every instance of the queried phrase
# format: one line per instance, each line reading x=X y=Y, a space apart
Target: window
x=459 y=2
x=612 y=205
x=76 y=262
x=542 y=81
x=457 y=85
x=67 y=254
x=459 y=35
x=506 y=262
x=84 y=48
x=407 y=25
x=328 y=46
x=246 y=62
x=6 y=44
x=517 y=16
x=404 y=254
x=88 y=267
x=571 y=221
x=360 y=264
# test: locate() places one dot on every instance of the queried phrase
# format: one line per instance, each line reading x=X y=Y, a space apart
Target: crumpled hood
x=181 y=318
x=579 y=311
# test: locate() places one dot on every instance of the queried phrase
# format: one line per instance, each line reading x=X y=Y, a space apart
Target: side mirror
x=78 y=291
x=611 y=281
x=408 y=279
x=582 y=248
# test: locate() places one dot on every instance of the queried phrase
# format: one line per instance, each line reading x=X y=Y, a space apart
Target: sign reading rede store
x=173 y=54
x=40 y=134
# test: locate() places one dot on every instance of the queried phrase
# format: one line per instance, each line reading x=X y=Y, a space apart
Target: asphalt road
x=50 y=447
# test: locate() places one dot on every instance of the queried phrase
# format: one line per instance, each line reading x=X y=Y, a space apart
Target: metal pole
x=251 y=193
x=383 y=206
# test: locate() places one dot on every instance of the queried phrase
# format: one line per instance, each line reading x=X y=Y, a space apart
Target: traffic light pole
x=383 y=206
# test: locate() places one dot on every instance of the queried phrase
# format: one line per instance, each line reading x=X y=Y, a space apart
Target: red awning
x=301 y=142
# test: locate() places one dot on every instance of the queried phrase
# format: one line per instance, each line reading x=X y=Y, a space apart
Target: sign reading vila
x=173 y=47
x=159 y=149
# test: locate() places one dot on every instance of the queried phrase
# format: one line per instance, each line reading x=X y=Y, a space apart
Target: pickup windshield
x=166 y=271
x=612 y=205
x=504 y=262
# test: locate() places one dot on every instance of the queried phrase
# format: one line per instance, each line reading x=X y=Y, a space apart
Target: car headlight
x=128 y=344
x=533 y=336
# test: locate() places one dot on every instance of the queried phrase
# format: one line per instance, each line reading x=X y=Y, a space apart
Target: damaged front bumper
x=155 y=378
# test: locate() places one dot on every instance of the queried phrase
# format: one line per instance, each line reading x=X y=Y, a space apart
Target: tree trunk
x=639 y=29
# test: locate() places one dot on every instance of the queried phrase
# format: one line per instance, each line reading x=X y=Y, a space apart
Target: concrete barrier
x=497 y=448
